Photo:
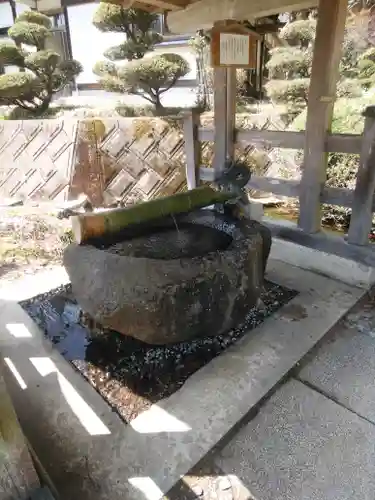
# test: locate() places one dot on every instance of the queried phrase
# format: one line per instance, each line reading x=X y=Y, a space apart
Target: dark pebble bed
x=129 y=374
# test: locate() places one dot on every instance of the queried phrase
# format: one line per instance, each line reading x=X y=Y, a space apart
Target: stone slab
x=322 y=253
x=344 y=365
x=302 y=445
x=325 y=263
x=87 y=450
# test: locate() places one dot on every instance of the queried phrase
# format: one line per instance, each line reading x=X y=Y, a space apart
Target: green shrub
x=148 y=78
x=300 y=32
x=289 y=62
x=349 y=88
x=288 y=91
x=10 y=54
x=369 y=54
x=366 y=68
x=290 y=67
x=134 y=111
x=42 y=74
x=32 y=16
x=136 y=24
x=342 y=168
x=29 y=33
x=19 y=84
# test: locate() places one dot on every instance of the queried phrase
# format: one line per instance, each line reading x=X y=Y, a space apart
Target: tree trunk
x=158 y=105
x=43 y=106
x=107 y=223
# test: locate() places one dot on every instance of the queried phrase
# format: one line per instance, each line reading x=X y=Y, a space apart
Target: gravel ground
x=31 y=238
x=129 y=374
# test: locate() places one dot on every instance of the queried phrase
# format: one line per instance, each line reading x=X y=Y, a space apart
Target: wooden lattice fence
x=112 y=160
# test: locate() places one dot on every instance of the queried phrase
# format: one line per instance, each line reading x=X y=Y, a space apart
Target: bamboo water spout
x=89 y=226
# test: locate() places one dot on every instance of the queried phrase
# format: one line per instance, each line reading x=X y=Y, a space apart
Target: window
x=6 y=17
x=58 y=20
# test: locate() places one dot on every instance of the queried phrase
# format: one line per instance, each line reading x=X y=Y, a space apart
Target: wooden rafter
x=153 y=5
x=204 y=13
x=166 y=4
x=256 y=29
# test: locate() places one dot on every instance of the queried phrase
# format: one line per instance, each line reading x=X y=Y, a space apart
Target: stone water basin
x=180 y=278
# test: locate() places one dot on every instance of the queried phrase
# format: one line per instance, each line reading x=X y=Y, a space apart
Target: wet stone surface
x=131 y=375
x=188 y=240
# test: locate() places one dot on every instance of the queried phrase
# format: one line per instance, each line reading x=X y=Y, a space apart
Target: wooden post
x=324 y=74
x=231 y=112
x=361 y=219
x=192 y=148
x=220 y=119
x=224 y=116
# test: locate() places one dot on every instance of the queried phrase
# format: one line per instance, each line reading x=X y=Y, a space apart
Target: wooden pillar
x=231 y=112
x=324 y=75
x=68 y=34
x=224 y=116
x=220 y=119
x=192 y=148
x=361 y=219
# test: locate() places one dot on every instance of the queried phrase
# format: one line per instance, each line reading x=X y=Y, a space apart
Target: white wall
x=6 y=18
x=88 y=43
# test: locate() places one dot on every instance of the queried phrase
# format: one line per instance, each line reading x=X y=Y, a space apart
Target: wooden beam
x=166 y=4
x=204 y=13
x=148 y=5
x=324 y=74
x=361 y=218
x=192 y=148
x=265 y=28
x=344 y=143
x=237 y=27
x=280 y=187
x=291 y=189
x=335 y=143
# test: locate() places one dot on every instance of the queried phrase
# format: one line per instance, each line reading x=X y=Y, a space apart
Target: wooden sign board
x=233 y=50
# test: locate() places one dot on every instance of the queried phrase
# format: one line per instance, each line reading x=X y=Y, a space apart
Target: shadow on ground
x=7 y=267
